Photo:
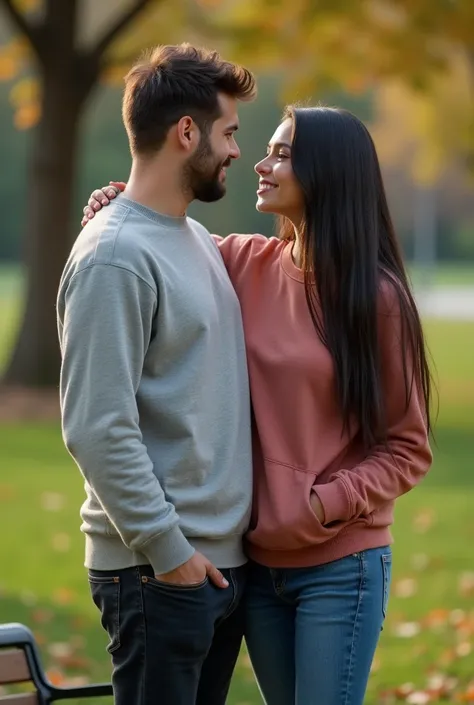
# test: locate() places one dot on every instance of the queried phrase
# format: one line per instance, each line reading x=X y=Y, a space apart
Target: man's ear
x=187 y=134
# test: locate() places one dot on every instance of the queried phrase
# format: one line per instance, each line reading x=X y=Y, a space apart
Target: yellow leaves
x=28 y=5
x=114 y=74
x=24 y=92
x=8 y=68
x=428 y=129
x=209 y=4
x=27 y=116
x=25 y=99
x=12 y=57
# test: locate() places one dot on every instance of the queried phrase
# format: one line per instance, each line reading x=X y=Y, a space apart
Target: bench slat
x=13 y=667
x=23 y=699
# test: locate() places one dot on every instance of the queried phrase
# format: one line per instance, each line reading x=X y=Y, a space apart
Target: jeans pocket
x=174 y=587
x=387 y=576
x=105 y=591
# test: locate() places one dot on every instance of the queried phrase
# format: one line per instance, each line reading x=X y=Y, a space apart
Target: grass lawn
x=428 y=638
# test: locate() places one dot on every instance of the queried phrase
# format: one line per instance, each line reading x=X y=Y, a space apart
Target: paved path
x=456 y=302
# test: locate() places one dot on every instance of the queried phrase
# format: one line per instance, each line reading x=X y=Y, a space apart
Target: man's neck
x=153 y=185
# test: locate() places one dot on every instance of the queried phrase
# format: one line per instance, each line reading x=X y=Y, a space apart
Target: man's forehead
x=228 y=106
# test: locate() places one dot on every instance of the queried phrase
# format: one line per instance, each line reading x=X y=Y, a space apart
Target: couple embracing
x=245 y=411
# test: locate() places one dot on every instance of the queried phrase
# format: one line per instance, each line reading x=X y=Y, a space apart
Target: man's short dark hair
x=177 y=80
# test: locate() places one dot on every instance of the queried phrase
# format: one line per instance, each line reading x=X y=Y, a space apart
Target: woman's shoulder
x=391 y=292
x=238 y=248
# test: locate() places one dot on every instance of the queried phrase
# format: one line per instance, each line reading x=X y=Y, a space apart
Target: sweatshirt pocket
x=283 y=518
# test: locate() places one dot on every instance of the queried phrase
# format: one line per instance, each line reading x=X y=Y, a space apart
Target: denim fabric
x=312 y=632
x=170 y=645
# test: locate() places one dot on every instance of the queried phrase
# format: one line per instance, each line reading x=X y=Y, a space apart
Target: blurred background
x=405 y=67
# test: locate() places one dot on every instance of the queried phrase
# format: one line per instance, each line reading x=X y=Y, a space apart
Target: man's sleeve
x=106 y=329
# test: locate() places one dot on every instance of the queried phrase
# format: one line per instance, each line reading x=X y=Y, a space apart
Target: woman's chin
x=264 y=207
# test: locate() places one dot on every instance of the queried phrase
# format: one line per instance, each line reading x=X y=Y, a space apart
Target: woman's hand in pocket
x=317 y=506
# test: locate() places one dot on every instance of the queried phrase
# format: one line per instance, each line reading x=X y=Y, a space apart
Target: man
x=154 y=391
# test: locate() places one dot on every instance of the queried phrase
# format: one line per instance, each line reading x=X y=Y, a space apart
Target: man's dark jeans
x=170 y=645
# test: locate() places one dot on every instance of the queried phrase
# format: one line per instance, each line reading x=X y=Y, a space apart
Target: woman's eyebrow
x=278 y=145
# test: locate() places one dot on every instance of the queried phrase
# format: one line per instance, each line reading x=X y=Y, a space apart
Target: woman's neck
x=297 y=249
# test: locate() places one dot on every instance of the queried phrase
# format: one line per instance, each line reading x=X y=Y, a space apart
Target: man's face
x=205 y=171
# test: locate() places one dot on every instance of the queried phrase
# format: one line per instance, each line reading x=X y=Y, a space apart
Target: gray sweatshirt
x=154 y=391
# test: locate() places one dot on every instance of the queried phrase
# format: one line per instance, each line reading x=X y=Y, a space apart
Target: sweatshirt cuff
x=336 y=501
x=168 y=551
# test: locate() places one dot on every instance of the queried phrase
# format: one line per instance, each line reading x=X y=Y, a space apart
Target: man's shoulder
x=199 y=228
x=116 y=239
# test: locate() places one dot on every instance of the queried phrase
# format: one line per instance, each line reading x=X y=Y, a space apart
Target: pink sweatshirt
x=299 y=447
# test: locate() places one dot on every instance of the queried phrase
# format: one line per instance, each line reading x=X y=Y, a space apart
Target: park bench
x=20 y=663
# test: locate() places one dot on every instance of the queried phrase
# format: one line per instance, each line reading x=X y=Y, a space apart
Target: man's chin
x=212 y=195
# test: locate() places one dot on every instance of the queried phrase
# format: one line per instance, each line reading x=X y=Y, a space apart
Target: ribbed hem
x=335 y=500
x=110 y=553
x=350 y=540
x=168 y=551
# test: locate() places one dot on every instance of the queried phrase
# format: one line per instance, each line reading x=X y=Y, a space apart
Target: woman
x=340 y=389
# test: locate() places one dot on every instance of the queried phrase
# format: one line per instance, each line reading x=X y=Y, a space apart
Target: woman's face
x=278 y=189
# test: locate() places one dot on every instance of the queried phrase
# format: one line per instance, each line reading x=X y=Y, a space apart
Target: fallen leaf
x=466 y=584
x=61 y=542
x=63 y=596
x=52 y=501
x=406 y=587
x=423 y=521
x=42 y=616
x=406 y=630
x=419 y=697
x=463 y=649
x=28 y=598
x=420 y=561
x=55 y=676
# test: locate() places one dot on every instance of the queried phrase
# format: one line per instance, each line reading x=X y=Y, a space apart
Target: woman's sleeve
x=394 y=468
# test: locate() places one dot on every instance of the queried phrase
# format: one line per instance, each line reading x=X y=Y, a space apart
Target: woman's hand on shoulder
x=101 y=197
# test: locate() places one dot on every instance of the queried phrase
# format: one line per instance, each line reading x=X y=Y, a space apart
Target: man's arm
x=105 y=331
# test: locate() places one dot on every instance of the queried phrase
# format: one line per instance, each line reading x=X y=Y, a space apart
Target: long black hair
x=349 y=247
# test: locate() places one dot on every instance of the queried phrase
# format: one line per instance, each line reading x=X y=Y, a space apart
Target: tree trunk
x=68 y=76
x=35 y=360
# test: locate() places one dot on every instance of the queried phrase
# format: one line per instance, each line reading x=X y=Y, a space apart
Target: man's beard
x=202 y=172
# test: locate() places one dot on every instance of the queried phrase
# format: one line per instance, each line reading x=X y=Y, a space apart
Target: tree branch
x=114 y=31
x=32 y=32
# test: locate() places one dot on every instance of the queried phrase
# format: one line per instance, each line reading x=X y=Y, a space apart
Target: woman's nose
x=263 y=167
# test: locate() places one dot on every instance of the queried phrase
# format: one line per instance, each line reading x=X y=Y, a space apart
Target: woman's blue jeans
x=312 y=632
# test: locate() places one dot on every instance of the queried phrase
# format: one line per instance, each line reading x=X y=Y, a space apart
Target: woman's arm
x=395 y=467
